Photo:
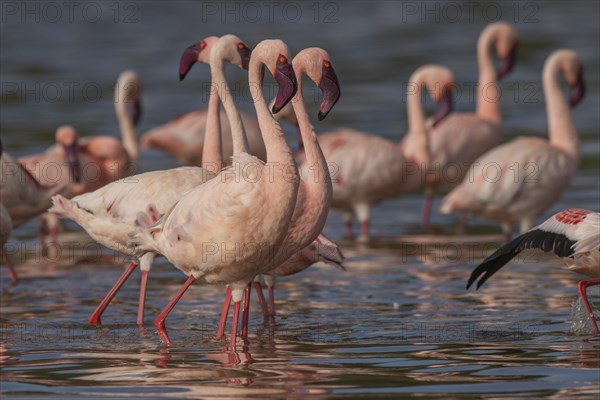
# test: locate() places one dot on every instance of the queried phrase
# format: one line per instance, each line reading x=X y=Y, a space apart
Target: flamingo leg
x=426 y=214
x=348 y=225
x=261 y=298
x=246 y=311
x=582 y=287
x=52 y=248
x=224 y=312
x=11 y=269
x=234 y=324
x=159 y=322
x=142 y=302
x=95 y=318
x=272 y=300
x=463 y=222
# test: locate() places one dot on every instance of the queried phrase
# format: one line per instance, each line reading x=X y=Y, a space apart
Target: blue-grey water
x=399 y=322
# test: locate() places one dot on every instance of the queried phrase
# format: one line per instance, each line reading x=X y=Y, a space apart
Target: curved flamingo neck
x=318 y=183
x=278 y=152
x=212 y=158
x=415 y=144
x=238 y=134
x=561 y=128
x=488 y=91
x=128 y=133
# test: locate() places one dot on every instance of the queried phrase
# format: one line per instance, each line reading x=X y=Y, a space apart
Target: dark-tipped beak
x=73 y=161
x=286 y=80
x=188 y=59
x=577 y=91
x=245 y=53
x=507 y=64
x=330 y=87
x=445 y=106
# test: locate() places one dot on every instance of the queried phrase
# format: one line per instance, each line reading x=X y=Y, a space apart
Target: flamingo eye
x=282 y=59
x=326 y=64
x=202 y=44
x=241 y=46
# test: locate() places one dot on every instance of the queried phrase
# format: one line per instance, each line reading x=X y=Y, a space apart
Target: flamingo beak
x=577 y=91
x=73 y=161
x=245 y=54
x=330 y=87
x=445 y=106
x=188 y=59
x=286 y=80
x=507 y=63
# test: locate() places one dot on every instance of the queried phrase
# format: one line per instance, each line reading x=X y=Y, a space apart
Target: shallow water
x=397 y=323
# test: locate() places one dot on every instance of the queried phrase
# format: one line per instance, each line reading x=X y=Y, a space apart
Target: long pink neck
x=238 y=134
x=415 y=144
x=212 y=159
x=278 y=152
x=561 y=128
x=318 y=183
x=488 y=91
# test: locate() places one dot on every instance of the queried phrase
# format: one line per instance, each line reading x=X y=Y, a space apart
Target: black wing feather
x=534 y=239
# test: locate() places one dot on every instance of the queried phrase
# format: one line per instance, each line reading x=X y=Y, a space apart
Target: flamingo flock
x=246 y=209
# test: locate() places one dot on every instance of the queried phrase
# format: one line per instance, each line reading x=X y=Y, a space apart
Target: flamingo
x=22 y=198
x=520 y=179
x=108 y=214
x=463 y=137
x=573 y=234
x=368 y=169
x=97 y=160
x=314 y=192
x=248 y=215
x=184 y=138
x=315 y=189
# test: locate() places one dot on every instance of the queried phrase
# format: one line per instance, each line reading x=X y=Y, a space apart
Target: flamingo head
x=439 y=82
x=275 y=55
x=197 y=52
x=507 y=42
x=572 y=70
x=315 y=62
x=66 y=136
x=233 y=50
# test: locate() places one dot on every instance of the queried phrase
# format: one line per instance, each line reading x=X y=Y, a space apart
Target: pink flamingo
x=368 y=169
x=23 y=198
x=520 y=179
x=463 y=137
x=96 y=160
x=314 y=191
x=249 y=216
x=108 y=214
x=573 y=234
x=184 y=137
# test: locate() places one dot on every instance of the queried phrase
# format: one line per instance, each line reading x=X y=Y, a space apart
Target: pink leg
x=234 y=324
x=246 y=311
x=11 y=269
x=159 y=322
x=272 y=300
x=142 y=302
x=364 y=228
x=261 y=298
x=224 y=313
x=97 y=314
x=582 y=286
x=426 y=214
